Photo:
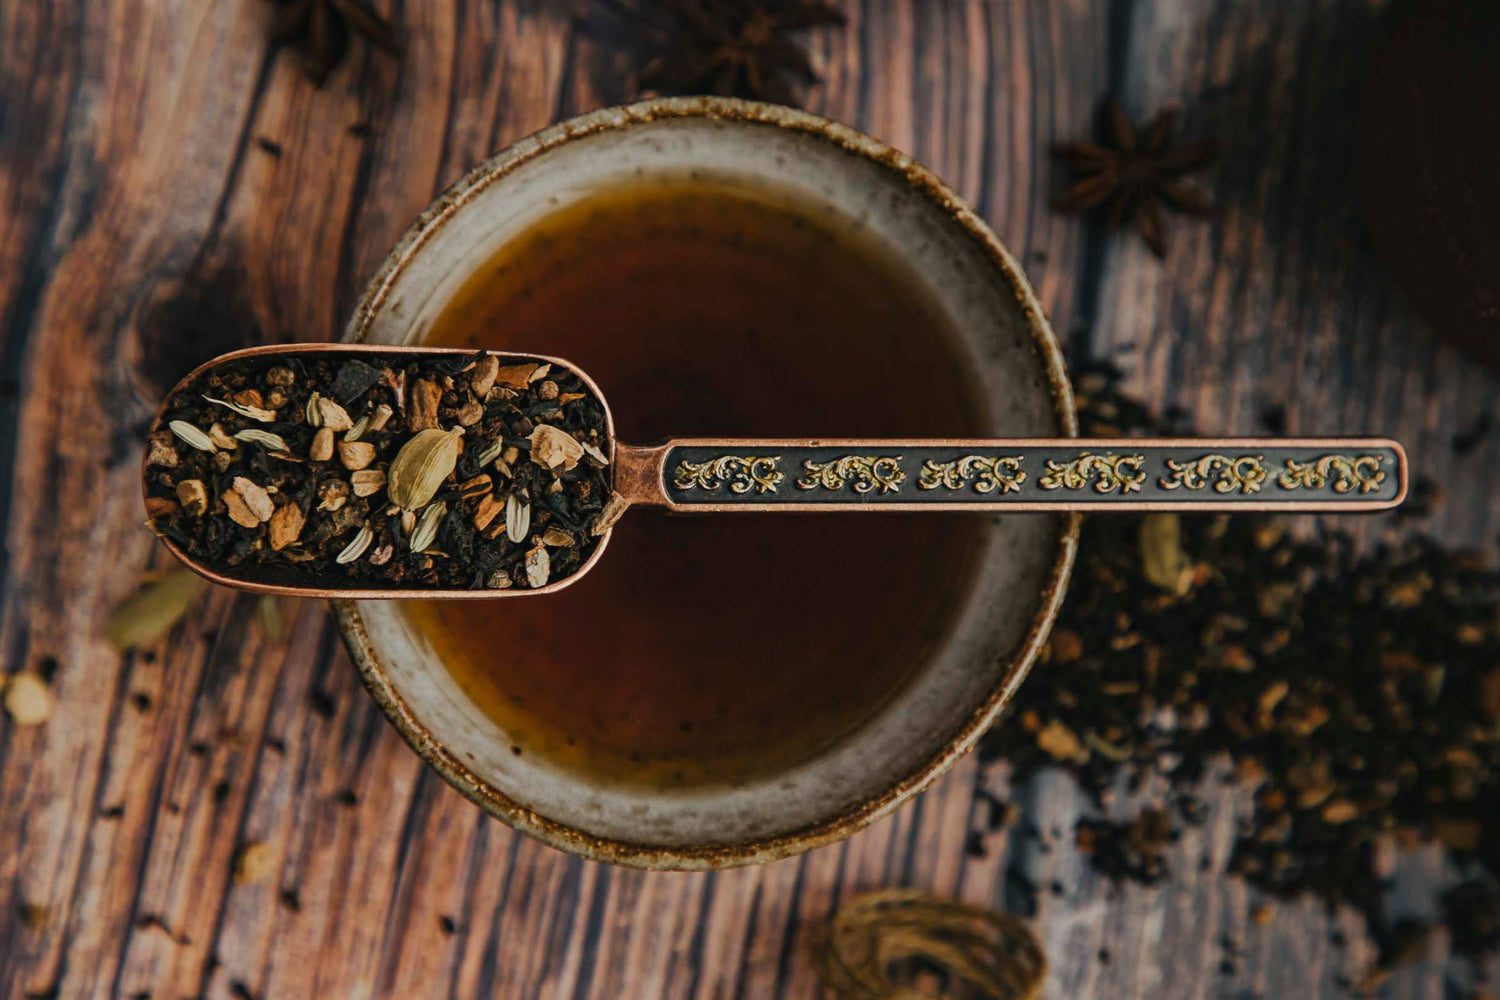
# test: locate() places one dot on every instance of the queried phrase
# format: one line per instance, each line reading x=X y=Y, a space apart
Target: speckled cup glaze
x=1014 y=589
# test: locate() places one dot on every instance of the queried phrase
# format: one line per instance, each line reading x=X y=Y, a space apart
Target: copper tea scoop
x=249 y=441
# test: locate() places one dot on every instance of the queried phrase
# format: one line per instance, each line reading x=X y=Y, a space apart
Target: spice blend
x=1357 y=695
x=420 y=471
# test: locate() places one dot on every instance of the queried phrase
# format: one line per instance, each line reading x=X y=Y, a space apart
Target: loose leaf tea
x=387 y=470
x=1358 y=695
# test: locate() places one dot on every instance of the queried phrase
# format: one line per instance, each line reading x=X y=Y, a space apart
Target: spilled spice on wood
x=1355 y=695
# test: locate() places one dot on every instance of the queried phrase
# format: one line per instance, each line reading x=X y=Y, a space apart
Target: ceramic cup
x=1019 y=573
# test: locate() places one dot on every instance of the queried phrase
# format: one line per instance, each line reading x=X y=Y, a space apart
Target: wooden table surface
x=170 y=188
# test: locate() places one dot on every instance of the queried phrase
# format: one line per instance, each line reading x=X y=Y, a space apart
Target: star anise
x=320 y=30
x=1138 y=173
x=738 y=48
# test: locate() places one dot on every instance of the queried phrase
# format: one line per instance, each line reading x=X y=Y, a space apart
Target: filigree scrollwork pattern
x=1107 y=472
x=867 y=473
x=1244 y=474
x=741 y=473
x=999 y=472
x=1344 y=472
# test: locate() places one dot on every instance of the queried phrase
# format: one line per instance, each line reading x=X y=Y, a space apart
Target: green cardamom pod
x=419 y=468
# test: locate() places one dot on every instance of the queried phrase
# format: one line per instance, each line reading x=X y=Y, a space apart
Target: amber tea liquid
x=710 y=649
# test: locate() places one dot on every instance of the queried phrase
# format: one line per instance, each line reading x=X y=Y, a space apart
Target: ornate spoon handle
x=1018 y=474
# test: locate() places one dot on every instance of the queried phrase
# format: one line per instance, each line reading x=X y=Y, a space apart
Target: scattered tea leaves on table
x=384 y=471
x=1355 y=695
x=1471 y=910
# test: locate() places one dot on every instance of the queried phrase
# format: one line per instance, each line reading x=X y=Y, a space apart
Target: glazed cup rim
x=756 y=850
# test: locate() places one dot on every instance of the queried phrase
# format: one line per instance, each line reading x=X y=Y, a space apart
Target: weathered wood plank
x=38 y=67
x=121 y=212
x=172 y=189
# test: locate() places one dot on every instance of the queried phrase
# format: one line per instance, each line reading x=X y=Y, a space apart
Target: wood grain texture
x=170 y=188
